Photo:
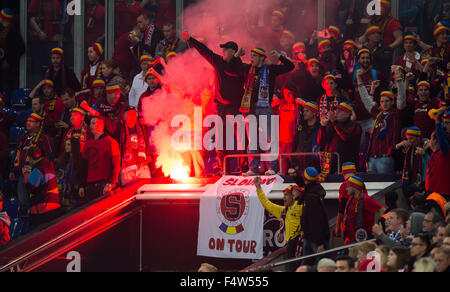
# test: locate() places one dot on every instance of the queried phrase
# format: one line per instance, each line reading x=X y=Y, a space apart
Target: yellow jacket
x=293 y=215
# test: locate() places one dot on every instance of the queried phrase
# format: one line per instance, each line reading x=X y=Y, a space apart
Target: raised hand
x=257 y=181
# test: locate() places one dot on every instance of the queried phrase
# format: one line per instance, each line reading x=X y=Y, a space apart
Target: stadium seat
x=15 y=133
x=12 y=112
x=15 y=230
x=19 y=97
x=10 y=188
x=22 y=116
x=12 y=207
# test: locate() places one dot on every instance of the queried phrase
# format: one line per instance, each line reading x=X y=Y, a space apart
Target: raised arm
x=367 y=100
x=272 y=208
x=286 y=66
x=203 y=50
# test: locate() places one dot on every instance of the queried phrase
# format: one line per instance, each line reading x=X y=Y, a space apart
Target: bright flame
x=179 y=172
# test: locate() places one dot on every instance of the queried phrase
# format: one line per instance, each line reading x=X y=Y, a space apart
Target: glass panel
x=128 y=18
x=94 y=22
x=11 y=49
x=45 y=31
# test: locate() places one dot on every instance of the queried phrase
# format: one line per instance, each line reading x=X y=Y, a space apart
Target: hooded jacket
x=314 y=220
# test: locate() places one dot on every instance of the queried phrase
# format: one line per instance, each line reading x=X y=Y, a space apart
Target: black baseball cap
x=230 y=45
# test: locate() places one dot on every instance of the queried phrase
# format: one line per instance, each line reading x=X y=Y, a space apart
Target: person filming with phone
x=395 y=226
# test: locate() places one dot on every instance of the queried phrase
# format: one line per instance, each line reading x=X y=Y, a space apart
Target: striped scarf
x=382 y=122
x=263 y=94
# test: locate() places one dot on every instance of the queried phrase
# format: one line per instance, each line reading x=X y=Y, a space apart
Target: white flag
x=232 y=218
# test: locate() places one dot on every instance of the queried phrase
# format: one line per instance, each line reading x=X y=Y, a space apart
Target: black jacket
x=314 y=222
x=382 y=59
x=230 y=84
x=64 y=78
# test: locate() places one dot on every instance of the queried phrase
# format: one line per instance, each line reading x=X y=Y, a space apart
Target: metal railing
x=48 y=245
x=281 y=155
x=295 y=260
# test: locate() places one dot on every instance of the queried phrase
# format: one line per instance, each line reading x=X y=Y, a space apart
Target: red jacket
x=392 y=126
x=437 y=173
x=343 y=138
x=103 y=159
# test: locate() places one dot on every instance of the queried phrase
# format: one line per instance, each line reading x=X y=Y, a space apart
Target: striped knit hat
x=346 y=107
x=260 y=51
x=388 y=94
x=348 y=167
x=48 y=82
x=362 y=51
x=356 y=182
x=414 y=132
x=313 y=60
x=145 y=58
x=79 y=110
x=373 y=29
x=409 y=37
x=98 y=83
x=36 y=117
x=324 y=43
x=290 y=189
x=312 y=106
x=424 y=62
x=439 y=29
x=98 y=49
x=386 y=3
x=335 y=30
x=113 y=88
x=288 y=34
x=298 y=46
x=57 y=51
x=329 y=76
x=424 y=83
x=310 y=174
x=278 y=13
x=7 y=14
x=171 y=55
x=350 y=43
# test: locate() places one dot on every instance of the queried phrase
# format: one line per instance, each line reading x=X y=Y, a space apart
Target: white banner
x=232 y=218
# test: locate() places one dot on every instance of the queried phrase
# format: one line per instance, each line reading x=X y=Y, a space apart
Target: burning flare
x=179 y=171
